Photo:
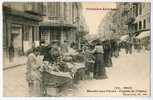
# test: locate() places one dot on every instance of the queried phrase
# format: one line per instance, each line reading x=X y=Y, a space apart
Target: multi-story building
x=62 y=22
x=104 y=27
x=28 y=23
x=129 y=19
x=141 y=16
x=108 y=27
x=138 y=21
x=21 y=26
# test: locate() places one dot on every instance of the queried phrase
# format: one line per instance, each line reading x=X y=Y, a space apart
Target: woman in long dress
x=99 y=66
x=33 y=74
x=107 y=54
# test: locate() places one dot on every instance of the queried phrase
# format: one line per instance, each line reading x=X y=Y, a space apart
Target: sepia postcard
x=76 y=49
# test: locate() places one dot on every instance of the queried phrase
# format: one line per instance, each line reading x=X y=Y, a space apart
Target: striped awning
x=143 y=35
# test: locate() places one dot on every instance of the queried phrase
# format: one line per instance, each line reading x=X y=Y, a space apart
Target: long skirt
x=99 y=67
x=36 y=89
x=107 y=60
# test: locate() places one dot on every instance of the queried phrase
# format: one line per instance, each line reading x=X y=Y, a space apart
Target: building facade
x=62 y=22
x=21 y=26
x=27 y=24
x=105 y=28
x=138 y=21
x=141 y=16
x=129 y=19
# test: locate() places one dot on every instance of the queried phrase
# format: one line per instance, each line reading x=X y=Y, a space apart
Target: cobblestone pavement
x=128 y=70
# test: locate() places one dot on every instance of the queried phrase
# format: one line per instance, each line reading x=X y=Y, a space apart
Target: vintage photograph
x=76 y=49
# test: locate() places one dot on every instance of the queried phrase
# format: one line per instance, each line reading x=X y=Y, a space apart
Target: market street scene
x=56 y=49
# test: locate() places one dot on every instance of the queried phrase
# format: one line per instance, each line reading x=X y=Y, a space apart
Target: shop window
x=36 y=31
x=26 y=34
x=44 y=36
x=16 y=38
x=16 y=29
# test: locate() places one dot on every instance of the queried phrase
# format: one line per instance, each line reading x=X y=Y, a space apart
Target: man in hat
x=11 y=52
x=55 y=51
x=64 y=47
x=33 y=75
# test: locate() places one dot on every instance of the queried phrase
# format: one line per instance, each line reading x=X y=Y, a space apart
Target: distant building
x=21 y=26
x=129 y=19
x=108 y=28
x=139 y=23
x=141 y=17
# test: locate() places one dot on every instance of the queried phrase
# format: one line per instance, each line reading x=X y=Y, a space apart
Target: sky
x=93 y=17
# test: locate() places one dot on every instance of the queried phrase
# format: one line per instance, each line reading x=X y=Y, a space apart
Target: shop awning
x=143 y=35
x=124 y=37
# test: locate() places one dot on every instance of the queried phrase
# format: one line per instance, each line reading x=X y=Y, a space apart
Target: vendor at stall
x=55 y=51
x=33 y=75
x=99 y=66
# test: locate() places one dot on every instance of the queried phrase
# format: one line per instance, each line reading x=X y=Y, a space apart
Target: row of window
x=34 y=7
x=138 y=8
x=55 y=11
x=140 y=25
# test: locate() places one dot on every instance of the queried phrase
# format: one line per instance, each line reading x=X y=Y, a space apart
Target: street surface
x=128 y=71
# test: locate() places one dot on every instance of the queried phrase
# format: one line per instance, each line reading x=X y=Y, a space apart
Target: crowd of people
x=99 y=56
x=47 y=56
x=95 y=56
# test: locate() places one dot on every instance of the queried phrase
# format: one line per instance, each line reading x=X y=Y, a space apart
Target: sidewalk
x=17 y=61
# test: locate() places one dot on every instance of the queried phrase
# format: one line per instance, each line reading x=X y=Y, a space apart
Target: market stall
x=143 y=35
x=69 y=69
x=144 y=38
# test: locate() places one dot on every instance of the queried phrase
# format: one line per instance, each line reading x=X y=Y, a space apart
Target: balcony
x=34 y=8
